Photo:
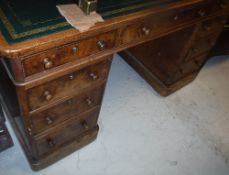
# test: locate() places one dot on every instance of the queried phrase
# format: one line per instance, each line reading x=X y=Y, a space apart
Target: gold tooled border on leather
x=121 y=10
x=15 y=35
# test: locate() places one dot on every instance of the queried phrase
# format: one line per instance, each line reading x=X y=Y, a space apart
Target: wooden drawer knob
x=223 y=21
x=223 y=6
x=47 y=95
x=29 y=131
x=51 y=143
x=85 y=125
x=70 y=102
x=101 y=45
x=75 y=50
x=71 y=77
x=89 y=101
x=207 y=28
x=93 y=76
x=195 y=50
x=47 y=63
x=176 y=18
x=211 y=43
x=146 y=31
x=201 y=13
x=49 y=120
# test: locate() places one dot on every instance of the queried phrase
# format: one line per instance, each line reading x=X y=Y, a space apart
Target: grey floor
x=186 y=133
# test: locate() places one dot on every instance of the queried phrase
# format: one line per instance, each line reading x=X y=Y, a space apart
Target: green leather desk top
x=21 y=20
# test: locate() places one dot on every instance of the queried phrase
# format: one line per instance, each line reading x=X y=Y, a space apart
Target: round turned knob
x=101 y=45
x=47 y=63
x=47 y=95
x=89 y=101
x=211 y=43
x=49 y=120
x=146 y=31
x=176 y=18
x=195 y=50
x=207 y=27
x=223 y=6
x=75 y=50
x=71 y=77
x=70 y=102
x=201 y=13
x=93 y=76
x=51 y=143
x=85 y=125
x=29 y=131
x=223 y=21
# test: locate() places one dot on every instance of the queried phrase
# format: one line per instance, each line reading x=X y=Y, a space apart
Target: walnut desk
x=52 y=85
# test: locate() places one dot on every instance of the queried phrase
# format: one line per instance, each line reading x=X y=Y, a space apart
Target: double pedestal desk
x=52 y=86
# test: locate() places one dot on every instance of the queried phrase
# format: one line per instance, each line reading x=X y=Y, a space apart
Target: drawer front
x=200 y=46
x=163 y=22
x=66 y=133
x=160 y=23
x=68 y=85
x=65 y=54
x=67 y=110
x=187 y=68
x=212 y=26
x=184 y=70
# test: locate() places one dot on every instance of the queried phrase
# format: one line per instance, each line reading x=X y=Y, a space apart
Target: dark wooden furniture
x=5 y=139
x=53 y=85
x=222 y=45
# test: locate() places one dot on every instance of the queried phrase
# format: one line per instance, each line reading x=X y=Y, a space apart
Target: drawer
x=68 y=85
x=185 y=70
x=59 y=56
x=200 y=46
x=163 y=22
x=212 y=26
x=192 y=66
x=200 y=60
x=69 y=131
x=66 y=110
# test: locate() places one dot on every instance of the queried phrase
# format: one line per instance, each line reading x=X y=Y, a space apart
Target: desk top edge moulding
x=52 y=77
x=20 y=36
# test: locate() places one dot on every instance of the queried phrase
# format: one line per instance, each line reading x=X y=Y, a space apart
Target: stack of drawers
x=204 y=40
x=60 y=96
x=173 y=60
x=59 y=82
x=66 y=108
